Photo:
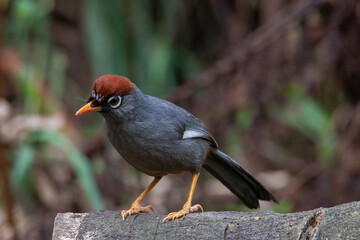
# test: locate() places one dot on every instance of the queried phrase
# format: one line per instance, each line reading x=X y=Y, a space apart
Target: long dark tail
x=237 y=179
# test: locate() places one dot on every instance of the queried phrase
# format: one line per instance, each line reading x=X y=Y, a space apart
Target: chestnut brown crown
x=107 y=85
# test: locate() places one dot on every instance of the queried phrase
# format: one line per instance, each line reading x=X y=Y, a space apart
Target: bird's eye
x=114 y=101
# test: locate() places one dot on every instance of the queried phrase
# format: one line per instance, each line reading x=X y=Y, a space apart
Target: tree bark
x=339 y=222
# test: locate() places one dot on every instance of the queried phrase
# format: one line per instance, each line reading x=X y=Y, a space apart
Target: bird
x=159 y=138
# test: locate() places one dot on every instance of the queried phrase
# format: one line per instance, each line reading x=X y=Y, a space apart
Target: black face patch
x=99 y=100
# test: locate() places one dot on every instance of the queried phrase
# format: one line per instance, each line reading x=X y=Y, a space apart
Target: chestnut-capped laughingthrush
x=159 y=138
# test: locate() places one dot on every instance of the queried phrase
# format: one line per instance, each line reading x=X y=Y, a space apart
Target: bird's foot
x=136 y=208
x=187 y=208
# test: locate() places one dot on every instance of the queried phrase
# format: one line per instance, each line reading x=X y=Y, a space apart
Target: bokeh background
x=276 y=83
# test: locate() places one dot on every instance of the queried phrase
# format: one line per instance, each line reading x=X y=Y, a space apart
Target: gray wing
x=176 y=123
x=188 y=125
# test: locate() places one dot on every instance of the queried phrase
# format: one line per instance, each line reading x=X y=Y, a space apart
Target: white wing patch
x=192 y=134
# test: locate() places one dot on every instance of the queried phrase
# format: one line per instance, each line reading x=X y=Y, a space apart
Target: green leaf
x=78 y=161
x=23 y=161
x=308 y=117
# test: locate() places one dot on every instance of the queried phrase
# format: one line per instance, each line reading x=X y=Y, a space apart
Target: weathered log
x=339 y=222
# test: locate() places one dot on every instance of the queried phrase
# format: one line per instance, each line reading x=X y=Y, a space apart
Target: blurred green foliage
x=244 y=118
x=28 y=31
x=311 y=119
x=78 y=161
x=20 y=170
x=25 y=157
x=124 y=38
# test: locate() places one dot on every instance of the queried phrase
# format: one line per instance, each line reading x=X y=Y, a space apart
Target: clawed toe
x=136 y=209
x=186 y=210
x=196 y=208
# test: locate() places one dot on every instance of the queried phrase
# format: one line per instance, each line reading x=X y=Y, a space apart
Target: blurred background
x=276 y=83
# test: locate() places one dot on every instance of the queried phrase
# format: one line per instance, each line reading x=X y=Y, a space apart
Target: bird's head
x=107 y=94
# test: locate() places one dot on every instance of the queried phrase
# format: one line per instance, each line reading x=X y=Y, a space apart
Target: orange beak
x=87 y=109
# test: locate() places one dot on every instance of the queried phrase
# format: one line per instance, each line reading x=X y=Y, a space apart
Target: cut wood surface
x=339 y=222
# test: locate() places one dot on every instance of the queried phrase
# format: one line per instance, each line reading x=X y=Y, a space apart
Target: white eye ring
x=114 y=101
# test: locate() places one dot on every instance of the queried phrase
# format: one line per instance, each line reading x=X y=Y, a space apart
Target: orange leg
x=187 y=208
x=135 y=207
